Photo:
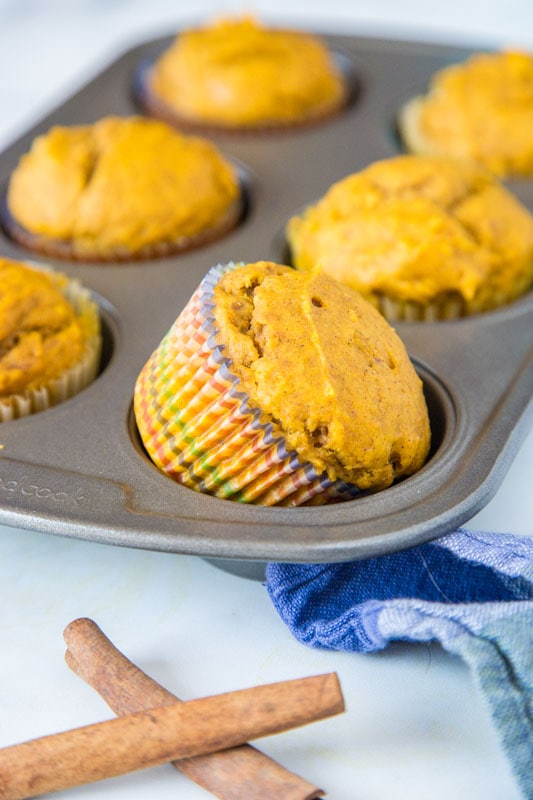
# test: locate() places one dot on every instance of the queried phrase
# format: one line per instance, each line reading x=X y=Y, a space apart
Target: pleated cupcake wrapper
x=76 y=377
x=448 y=305
x=198 y=426
x=71 y=250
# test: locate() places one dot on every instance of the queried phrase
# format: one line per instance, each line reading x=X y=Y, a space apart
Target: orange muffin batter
x=238 y=73
x=422 y=236
x=121 y=188
x=325 y=367
x=481 y=110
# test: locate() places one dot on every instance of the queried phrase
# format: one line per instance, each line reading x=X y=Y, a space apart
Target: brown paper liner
x=156 y=106
x=66 y=249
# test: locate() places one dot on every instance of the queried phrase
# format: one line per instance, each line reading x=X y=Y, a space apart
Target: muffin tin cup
x=79 y=469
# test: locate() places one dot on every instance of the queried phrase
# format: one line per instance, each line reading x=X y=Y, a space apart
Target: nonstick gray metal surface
x=79 y=469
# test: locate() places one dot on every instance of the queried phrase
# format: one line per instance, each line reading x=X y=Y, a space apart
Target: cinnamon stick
x=148 y=738
x=239 y=773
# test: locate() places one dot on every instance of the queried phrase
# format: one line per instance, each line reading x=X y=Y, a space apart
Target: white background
x=415 y=725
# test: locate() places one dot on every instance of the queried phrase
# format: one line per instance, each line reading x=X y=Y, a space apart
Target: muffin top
x=235 y=72
x=481 y=109
x=324 y=366
x=413 y=227
x=40 y=333
x=121 y=186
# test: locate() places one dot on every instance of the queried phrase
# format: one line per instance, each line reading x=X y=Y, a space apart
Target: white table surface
x=415 y=726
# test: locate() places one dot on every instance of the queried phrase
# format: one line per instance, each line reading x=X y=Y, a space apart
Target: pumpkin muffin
x=278 y=387
x=236 y=74
x=422 y=238
x=120 y=189
x=481 y=109
x=49 y=338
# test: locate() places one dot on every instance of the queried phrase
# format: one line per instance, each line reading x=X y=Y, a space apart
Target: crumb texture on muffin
x=237 y=72
x=325 y=367
x=481 y=109
x=420 y=228
x=121 y=187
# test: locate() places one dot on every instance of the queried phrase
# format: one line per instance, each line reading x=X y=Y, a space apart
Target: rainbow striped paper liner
x=198 y=426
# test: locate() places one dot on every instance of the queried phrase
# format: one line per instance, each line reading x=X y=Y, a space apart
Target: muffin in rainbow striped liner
x=421 y=237
x=276 y=387
x=50 y=338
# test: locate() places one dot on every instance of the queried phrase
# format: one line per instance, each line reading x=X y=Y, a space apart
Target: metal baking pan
x=79 y=469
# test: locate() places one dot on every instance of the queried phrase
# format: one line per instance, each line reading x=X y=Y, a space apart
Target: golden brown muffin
x=49 y=338
x=481 y=109
x=123 y=188
x=311 y=386
x=238 y=74
x=420 y=237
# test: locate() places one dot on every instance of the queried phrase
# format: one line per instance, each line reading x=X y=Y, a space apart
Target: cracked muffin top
x=481 y=109
x=121 y=188
x=41 y=336
x=414 y=228
x=325 y=367
x=239 y=73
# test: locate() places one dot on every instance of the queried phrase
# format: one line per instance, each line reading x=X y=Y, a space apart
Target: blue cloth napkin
x=472 y=592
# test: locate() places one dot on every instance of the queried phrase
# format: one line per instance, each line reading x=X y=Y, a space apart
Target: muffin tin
x=79 y=469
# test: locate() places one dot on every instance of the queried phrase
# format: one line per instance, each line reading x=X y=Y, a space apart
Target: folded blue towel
x=472 y=592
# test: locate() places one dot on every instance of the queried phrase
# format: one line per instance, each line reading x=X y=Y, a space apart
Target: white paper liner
x=76 y=377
